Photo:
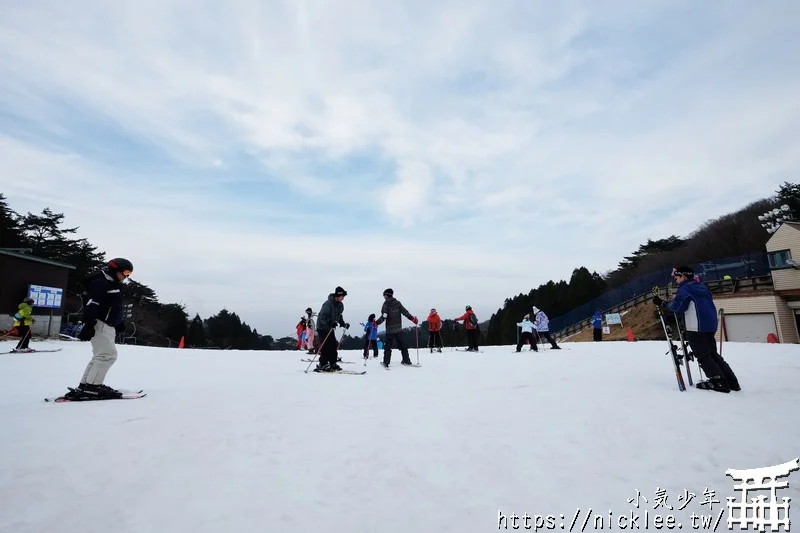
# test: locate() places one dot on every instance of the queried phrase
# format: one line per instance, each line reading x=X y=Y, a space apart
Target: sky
x=255 y=154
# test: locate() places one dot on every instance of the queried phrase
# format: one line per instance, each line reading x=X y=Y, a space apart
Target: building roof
x=36 y=259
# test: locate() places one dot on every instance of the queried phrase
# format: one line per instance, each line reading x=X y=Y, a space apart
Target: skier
x=22 y=322
x=330 y=316
x=597 y=325
x=471 y=323
x=392 y=312
x=527 y=334
x=542 y=325
x=696 y=303
x=371 y=336
x=300 y=328
x=310 y=314
x=102 y=320
x=435 y=331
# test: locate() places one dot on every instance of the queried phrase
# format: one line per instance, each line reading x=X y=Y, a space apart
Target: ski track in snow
x=231 y=441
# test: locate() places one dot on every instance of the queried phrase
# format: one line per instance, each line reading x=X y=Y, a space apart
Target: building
x=18 y=272
x=751 y=315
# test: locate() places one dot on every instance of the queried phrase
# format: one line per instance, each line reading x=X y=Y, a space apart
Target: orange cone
x=180 y=344
x=630 y=335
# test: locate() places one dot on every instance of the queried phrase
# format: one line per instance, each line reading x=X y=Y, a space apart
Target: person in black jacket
x=329 y=316
x=392 y=312
x=102 y=319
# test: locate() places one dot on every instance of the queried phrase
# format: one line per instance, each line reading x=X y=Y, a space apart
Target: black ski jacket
x=102 y=299
x=330 y=314
x=392 y=312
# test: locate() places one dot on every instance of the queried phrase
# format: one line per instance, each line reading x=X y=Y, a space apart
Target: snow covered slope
x=232 y=441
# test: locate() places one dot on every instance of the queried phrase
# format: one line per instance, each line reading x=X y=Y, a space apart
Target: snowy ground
x=247 y=442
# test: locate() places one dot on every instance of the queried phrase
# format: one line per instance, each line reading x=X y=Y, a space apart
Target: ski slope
x=231 y=441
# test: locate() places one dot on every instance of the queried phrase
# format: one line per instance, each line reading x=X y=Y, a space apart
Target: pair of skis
x=677 y=360
x=32 y=351
x=126 y=395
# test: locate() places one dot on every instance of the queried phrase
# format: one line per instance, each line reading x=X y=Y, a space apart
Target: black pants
x=25 y=336
x=329 y=350
x=527 y=337
x=370 y=343
x=546 y=336
x=598 y=334
x=434 y=339
x=704 y=348
x=472 y=338
x=391 y=340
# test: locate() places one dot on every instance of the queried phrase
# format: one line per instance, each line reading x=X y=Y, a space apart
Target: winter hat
x=527 y=317
x=388 y=292
x=309 y=311
x=340 y=292
x=467 y=308
x=535 y=309
x=29 y=300
x=683 y=270
x=371 y=317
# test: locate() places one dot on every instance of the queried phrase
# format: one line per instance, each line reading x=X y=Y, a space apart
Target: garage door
x=750 y=327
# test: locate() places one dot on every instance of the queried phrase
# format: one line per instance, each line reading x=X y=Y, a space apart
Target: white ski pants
x=104 y=353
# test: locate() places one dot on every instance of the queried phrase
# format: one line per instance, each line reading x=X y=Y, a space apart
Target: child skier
x=435 y=331
x=301 y=328
x=310 y=314
x=22 y=322
x=371 y=336
x=527 y=334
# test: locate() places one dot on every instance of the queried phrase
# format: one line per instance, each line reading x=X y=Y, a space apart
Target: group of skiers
x=392 y=313
x=103 y=318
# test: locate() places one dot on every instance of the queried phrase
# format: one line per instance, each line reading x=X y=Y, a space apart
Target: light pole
x=772 y=220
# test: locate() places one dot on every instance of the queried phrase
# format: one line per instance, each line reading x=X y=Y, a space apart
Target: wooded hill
x=164 y=324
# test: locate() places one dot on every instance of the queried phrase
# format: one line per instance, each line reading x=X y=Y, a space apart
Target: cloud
x=255 y=155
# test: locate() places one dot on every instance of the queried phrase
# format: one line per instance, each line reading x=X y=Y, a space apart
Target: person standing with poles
x=22 y=321
x=370 y=337
x=527 y=334
x=435 y=331
x=695 y=302
x=329 y=316
x=392 y=312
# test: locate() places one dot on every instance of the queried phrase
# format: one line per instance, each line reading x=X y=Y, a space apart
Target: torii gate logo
x=758 y=511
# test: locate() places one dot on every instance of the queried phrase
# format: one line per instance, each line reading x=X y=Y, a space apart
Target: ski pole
x=315 y=355
x=416 y=333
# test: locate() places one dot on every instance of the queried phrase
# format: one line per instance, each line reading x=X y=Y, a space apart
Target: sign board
x=613 y=318
x=607 y=330
x=48 y=297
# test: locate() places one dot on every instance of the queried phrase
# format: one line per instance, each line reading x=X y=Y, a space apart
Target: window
x=779 y=259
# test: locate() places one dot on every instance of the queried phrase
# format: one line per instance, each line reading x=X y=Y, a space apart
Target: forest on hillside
x=46 y=235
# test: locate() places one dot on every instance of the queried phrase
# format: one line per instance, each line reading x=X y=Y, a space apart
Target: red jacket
x=434 y=322
x=465 y=318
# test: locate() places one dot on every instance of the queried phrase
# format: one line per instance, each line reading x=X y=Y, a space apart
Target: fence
x=737 y=267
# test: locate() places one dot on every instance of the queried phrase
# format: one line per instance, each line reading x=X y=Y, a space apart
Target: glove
x=415 y=321
x=120 y=328
x=86 y=333
x=657 y=300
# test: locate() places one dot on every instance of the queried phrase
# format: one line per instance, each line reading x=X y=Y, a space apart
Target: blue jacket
x=371 y=331
x=694 y=300
x=597 y=320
